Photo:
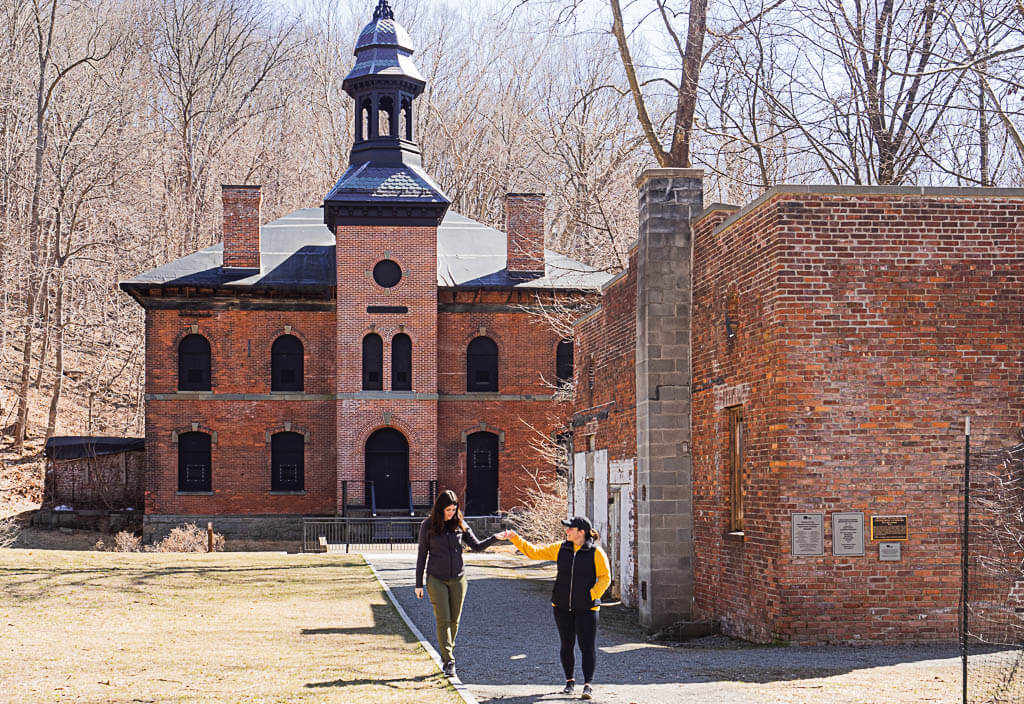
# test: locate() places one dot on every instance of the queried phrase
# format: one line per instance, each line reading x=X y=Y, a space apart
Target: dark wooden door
x=482 y=474
x=387 y=466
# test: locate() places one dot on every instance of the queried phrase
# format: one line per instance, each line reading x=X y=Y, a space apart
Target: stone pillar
x=669 y=199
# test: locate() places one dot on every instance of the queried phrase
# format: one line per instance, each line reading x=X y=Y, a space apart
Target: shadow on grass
x=393 y=682
x=385 y=621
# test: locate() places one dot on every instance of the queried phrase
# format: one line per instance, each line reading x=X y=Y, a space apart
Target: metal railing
x=360 y=534
x=360 y=495
x=380 y=534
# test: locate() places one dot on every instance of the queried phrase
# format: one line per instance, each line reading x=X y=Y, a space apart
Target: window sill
x=735 y=536
x=193 y=493
x=300 y=492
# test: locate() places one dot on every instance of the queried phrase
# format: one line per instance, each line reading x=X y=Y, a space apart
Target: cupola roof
x=383 y=48
x=385 y=182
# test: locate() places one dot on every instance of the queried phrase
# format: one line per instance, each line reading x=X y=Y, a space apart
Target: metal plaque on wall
x=889 y=528
x=848 y=533
x=808 y=534
x=889 y=552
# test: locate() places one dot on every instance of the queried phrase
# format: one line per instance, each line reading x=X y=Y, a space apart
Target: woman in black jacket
x=442 y=535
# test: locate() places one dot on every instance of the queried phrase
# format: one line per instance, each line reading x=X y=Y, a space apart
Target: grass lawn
x=223 y=627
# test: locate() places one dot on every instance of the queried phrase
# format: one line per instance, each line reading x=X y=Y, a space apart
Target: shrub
x=123 y=542
x=540 y=519
x=187 y=538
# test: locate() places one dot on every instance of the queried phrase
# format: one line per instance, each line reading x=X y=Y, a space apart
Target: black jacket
x=445 y=551
x=577 y=575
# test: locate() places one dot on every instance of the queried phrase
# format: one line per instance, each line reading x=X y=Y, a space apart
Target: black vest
x=577 y=574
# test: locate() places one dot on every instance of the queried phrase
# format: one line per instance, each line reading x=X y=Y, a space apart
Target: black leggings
x=573 y=627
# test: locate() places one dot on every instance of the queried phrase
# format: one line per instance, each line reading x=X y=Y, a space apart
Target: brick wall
x=736 y=578
x=605 y=349
x=109 y=481
x=526 y=372
x=359 y=248
x=240 y=409
x=868 y=324
x=604 y=405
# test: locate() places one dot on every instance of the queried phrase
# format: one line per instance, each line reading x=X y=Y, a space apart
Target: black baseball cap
x=581 y=522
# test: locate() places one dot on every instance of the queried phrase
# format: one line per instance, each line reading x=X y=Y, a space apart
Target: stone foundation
x=155 y=527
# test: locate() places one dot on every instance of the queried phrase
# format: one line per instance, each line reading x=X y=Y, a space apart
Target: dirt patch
x=21 y=479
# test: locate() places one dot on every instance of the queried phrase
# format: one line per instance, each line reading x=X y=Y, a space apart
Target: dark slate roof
x=297 y=253
x=384 y=48
x=73 y=447
x=370 y=183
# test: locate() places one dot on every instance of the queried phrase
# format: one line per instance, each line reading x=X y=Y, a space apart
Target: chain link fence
x=993 y=577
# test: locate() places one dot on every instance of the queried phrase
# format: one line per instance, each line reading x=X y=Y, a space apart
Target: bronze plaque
x=888 y=528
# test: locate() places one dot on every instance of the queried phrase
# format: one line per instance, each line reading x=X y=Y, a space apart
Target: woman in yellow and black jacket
x=583 y=576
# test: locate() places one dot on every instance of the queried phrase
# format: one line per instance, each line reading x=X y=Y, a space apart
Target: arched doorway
x=482 y=474
x=387 y=466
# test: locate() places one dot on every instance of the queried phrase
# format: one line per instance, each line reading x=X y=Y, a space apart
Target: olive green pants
x=446 y=595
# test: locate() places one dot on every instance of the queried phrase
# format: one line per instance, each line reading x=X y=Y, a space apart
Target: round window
x=387 y=273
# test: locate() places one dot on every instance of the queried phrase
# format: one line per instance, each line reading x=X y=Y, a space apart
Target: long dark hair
x=437 y=523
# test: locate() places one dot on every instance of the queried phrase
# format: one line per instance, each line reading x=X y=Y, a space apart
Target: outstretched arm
x=534 y=552
x=470 y=539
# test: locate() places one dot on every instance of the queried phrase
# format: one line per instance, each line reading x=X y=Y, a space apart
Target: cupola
x=385 y=179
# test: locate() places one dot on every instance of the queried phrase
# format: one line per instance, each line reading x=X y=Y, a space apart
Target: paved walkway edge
x=431 y=650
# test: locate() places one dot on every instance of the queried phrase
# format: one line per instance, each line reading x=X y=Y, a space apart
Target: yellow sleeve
x=604 y=573
x=537 y=552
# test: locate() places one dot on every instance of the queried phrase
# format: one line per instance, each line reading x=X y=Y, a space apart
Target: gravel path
x=507 y=651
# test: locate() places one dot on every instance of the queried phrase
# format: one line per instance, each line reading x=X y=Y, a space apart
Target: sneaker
x=588 y=693
x=449 y=669
x=570 y=687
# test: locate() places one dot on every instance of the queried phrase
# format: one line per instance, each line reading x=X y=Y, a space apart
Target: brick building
x=303 y=369
x=799 y=389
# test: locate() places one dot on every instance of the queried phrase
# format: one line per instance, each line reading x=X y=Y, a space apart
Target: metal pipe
x=964 y=576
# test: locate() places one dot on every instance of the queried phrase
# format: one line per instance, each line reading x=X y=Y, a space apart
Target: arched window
x=406 y=125
x=286 y=364
x=386 y=117
x=482 y=365
x=401 y=363
x=373 y=362
x=194 y=462
x=287 y=462
x=363 y=129
x=563 y=362
x=194 y=364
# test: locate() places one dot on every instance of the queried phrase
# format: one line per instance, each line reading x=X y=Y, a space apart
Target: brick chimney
x=241 y=226
x=524 y=230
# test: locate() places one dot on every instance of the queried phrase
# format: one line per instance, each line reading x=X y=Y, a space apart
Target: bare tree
x=990 y=42
x=873 y=93
x=215 y=59
x=60 y=50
